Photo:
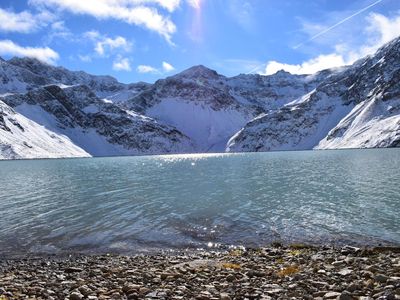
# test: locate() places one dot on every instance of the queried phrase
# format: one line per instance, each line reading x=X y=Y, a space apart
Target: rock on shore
x=295 y=272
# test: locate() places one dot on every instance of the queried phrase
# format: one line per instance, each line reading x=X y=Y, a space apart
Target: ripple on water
x=200 y=200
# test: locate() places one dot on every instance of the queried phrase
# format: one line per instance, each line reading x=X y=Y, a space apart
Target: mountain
x=20 y=137
x=66 y=113
x=355 y=107
x=209 y=107
x=98 y=127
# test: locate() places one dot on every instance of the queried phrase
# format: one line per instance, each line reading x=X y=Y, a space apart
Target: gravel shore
x=295 y=272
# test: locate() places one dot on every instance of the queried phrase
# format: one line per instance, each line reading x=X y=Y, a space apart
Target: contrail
x=338 y=23
x=326 y=30
x=255 y=69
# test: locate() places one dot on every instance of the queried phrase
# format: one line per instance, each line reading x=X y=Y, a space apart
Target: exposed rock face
x=210 y=108
x=356 y=107
x=78 y=113
x=23 y=138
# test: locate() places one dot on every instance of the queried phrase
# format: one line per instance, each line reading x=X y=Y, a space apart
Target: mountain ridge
x=199 y=110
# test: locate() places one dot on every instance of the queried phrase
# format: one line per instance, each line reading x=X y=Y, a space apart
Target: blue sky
x=144 y=40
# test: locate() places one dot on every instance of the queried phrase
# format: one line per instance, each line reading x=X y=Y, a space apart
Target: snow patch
x=209 y=129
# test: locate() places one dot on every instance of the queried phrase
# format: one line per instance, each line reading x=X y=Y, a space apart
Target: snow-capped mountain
x=209 y=107
x=66 y=113
x=21 y=137
x=98 y=127
x=24 y=74
x=198 y=103
x=355 y=107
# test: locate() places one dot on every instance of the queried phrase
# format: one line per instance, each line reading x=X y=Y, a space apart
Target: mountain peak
x=283 y=73
x=24 y=61
x=199 y=71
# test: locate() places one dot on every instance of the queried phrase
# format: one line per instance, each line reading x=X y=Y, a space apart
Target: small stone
x=128 y=288
x=331 y=295
x=85 y=290
x=152 y=295
x=338 y=263
x=72 y=270
x=345 y=296
x=381 y=278
x=275 y=291
x=224 y=296
x=75 y=296
x=133 y=296
x=144 y=290
x=254 y=273
x=345 y=272
x=230 y=277
x=353 y=287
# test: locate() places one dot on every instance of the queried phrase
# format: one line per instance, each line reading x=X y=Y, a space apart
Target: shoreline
x=189 y=153
x=277 y=272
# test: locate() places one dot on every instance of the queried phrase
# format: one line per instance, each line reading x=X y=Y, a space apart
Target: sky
x=145 y=40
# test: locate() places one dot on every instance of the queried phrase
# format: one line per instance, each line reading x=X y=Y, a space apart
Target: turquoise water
x=126 y=204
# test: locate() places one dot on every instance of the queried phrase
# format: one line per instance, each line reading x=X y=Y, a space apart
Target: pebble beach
x=276 y=272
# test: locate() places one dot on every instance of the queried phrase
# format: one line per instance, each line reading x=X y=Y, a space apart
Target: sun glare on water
x=191 y=156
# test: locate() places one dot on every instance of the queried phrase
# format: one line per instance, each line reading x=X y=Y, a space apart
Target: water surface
x=128 y=204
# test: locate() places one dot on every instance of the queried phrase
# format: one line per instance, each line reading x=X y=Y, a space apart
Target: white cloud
x=135 y=12
x=45 y=54
x=104 y=45
x=58 y=31
x=85 y=58
x=170 y=5
x=23 y=22
x=311 y=66
x=147 y=69
x=93 y=34
x=167 y=67
x=379 y=30
x=111 y=44
x=121 y=64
